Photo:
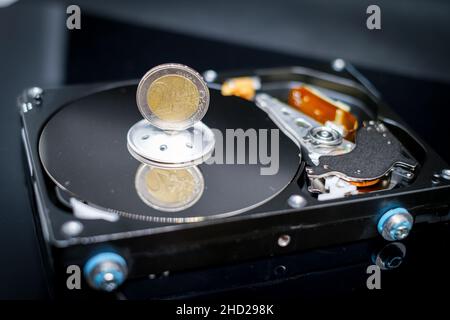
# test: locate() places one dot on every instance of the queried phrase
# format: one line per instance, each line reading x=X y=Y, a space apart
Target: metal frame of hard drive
x=153 y=248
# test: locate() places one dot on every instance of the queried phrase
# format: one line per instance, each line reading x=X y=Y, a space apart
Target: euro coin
x=172 y=97
x=169 y=189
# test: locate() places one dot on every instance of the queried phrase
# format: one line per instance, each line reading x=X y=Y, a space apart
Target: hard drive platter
x=83 y=149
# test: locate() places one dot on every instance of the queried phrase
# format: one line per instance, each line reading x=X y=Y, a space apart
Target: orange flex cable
x=322 y=109
x=244 y=87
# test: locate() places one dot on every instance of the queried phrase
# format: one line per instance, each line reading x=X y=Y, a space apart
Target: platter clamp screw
x=395 y=224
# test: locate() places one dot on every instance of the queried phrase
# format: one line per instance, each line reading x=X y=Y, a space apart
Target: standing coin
x=172 y=97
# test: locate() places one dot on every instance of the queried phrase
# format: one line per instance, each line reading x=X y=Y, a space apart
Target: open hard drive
x=175 y=172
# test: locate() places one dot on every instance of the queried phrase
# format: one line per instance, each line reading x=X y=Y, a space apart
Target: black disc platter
x=83 y=148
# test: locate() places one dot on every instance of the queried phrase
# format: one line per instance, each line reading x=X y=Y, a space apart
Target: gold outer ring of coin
x=170 y=74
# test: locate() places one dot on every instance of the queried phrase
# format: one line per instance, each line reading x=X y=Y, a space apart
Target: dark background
x=407 y=61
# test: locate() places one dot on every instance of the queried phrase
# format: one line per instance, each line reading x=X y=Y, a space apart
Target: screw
x=105 y=271
x=35 y=93
x=108 y=277
x=285 y=111
x=401 y=232
x=296 y=201
x=436 y=178
x=284 y=240
x=445 y=173
x=395 y=224
x=280 y=270
x=72 y=228
x=338 y=65
x=210 y=75
x=324 y=134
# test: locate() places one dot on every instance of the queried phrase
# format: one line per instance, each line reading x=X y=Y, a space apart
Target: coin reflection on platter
x=169 y=189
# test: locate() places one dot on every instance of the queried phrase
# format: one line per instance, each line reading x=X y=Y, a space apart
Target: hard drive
x=340 y=167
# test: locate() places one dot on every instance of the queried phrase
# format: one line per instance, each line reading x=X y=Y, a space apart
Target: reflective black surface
x=106 y=50
x=83 y=148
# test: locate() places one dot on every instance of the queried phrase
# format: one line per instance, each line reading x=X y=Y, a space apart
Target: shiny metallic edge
x=169 y=165
x=166 y=165
x=171 y=69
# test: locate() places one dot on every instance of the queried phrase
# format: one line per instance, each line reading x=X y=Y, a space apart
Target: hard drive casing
x=150 y=248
